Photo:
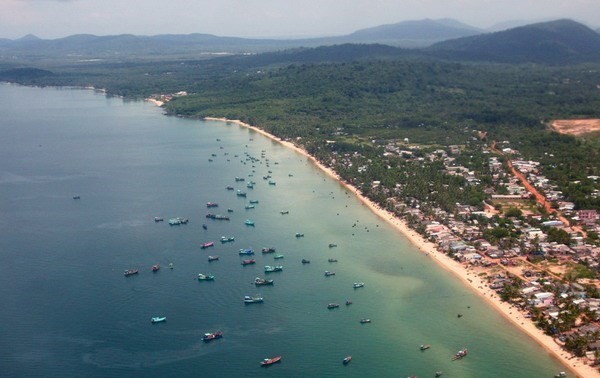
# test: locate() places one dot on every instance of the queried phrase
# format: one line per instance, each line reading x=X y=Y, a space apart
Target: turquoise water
x=68 y=311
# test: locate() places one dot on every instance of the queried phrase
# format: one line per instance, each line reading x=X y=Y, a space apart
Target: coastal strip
x=466 y=275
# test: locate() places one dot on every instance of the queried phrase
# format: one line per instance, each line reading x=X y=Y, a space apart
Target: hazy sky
x=265 y=18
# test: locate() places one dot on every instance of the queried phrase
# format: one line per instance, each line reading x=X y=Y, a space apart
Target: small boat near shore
x=460 y=354
x=207 y=245
x=248 y=299
x=262 y=282
x=270 y=361
x=561 y=374
x=205 y=277
x=347 y=360
x=130 y=272
x=213 y=258
x=208 y=337
x=158 y=319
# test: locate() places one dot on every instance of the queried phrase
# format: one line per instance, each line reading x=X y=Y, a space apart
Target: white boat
x=159 y=319
x=356 y=285
x=249 y=299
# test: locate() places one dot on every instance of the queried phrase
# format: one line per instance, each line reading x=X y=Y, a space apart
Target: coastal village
x=528 y=245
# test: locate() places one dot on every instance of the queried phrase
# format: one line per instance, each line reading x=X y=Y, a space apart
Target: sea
x=82 y=178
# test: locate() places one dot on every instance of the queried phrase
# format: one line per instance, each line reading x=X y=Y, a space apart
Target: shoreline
x=470 y=278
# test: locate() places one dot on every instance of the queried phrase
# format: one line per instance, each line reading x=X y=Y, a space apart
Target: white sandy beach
x=470 y=278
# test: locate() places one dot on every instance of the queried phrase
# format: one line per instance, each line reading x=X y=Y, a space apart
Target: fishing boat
x=250 y=185
x=305 y=261
x=332 y=260
x=271 y=182
x=333 y=305
x=249 y=299
x=227 y=239
x=299 y=235
x=560 y=374
x=347 y=360
x=130 y=272
x=277 y=257
x=364 y=321
x=284 y=212
x=241 y=194
x=270 y=361
x=208 y=337
x=158 y=319
x=239 y=179
x=248 y=262
x=356 y=285
x=76 y=197
x=248 y=207
x=230 y=210
x=207 y=245
x=221 y=217
x=177 y=221
x=205 y=277
x=268 y=250
x=248 y=222
x=246 y=252
x=460 y=354
x=331 y=245
x=262 y=282
x=277 y=268
x=155 y=267
x=425 y=347
x=158 y=219
x=212 y=204
x=212 y=258
x=328 y=273
x=254 y=201
x=229 y=187
x=348 y=303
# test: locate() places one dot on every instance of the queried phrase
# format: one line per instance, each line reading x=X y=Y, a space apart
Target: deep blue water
x=68 y=311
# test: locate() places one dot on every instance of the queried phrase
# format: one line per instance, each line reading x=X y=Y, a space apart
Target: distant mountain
x=86 y=47
x=555 y=42
x=413 y=33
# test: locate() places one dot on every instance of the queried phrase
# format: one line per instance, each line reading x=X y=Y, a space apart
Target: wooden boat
x=158 y=319
x=249 y=299
x=155 y=267
x=270 y=361
x=207 y=245
x=212 y=258
x=347 y=360
x=205 y=277
x=248 y=262
x=262 y=282
x=333 y=305
x=208 y=337
x=130 y=272
x=460 y=354
x=425 y=347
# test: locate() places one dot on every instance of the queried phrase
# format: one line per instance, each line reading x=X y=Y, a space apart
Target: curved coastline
x=469 y=278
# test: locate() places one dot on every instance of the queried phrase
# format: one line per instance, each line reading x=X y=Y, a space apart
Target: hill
x=555 y=42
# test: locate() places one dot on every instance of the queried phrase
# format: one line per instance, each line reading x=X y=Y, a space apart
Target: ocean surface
x=68 y=311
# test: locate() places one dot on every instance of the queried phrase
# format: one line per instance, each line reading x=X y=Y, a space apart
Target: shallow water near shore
x=67 y=309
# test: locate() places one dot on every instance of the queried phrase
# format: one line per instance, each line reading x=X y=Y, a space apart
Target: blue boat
x=246 y=251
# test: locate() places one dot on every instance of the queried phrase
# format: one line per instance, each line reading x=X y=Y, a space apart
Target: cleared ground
x=577 y=127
